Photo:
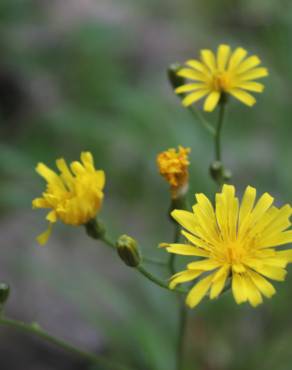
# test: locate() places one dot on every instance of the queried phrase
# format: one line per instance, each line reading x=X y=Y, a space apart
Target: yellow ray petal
x=248 y=64
x=189 y=87
x=185 y=219
x=40 y=203
x=287 y=254
x=197 y=293
x=237 y=56
x=208 y=59
x=185 y=250
x=200 y=67
x=44 y=237
x=243 y=96
x=212 y=101
x=193 y=97
x=205 y=265
x=274 y=273
x=52 y=216
x=238 y=289
x=253 y=295
x=263 y=285
x=279 y=223
x=218 y=282
x=206 y=206
x=206 y=229
x=100 y=179
x=254 y=74
x=223 y=54
x=276 y=241
x=231 y=203
x=191 y=74
x=65 y=172
x=247 y=204
x=251 y=86
x=196 y=241
x=183 y=277
x=49 y=175
x=87 y=160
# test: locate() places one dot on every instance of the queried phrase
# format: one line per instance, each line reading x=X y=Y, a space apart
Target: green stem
x=181 y=335
x=36 y=330
x=158 y=281
x=154 y=261
x=218 y=155
x=202 y=120
x=145 y=272
x=172 y=257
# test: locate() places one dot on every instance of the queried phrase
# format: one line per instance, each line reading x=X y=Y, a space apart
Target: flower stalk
x=36 y=330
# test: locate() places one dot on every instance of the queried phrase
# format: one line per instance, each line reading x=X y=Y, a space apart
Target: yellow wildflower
x=173 y=166
x=226 y=72
x=74 y=196
x=235 y=242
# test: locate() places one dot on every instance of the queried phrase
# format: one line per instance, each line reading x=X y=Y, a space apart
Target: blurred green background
x=91 y=75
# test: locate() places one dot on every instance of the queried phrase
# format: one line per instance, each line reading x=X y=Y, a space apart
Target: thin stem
x=145 y=272
x=158 y=281
x=202 y=120
x=172 y=257
x=181 y=335
x=154 y=261
x=36 y=330
x=218 y=155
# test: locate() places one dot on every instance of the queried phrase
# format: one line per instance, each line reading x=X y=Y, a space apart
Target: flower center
x=221 y=81
x=235 y=253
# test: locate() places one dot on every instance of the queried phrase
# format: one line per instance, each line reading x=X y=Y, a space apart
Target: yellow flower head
x=74 y=196
x=226 y=72
x=235 y=242
x=173 y=166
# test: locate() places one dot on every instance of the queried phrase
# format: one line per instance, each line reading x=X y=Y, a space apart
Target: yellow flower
x=227 y=72
x=173 y=166
x=235 y=242
x=74 y=196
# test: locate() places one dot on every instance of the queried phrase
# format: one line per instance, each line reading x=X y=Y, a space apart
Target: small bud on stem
x=128 y=250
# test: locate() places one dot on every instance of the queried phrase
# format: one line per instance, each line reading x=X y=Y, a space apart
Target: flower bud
x=128 y=250
x=227 y=174
x=95 y=229
x=173 y=78
x=4 y=293
x=173 y=167
x=216 y=171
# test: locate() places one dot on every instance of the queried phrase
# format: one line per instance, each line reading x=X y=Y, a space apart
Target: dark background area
x=91 y=75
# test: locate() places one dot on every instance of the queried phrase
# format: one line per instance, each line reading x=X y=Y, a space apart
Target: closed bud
x=4 y=293
x=128 y=250
x=216 y=171
x=227 y=174
x=95 y=229
x=173 y=78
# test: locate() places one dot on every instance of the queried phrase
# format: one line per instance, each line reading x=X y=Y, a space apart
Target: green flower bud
x=216 y=171
x=227 y=174
x=173 y=78
x=4 y=293
x=128 y=250
x=95 y=229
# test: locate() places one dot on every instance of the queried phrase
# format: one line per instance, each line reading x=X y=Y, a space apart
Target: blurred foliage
x=98 y=82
